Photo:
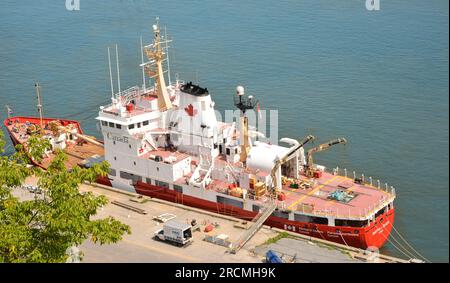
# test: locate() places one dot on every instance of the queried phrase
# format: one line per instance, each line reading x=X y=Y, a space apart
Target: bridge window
x=131 y=126
x=104 y=123
x=118 y=126
x=145 y=123
x=148 y=181
x=350 y=223
x=310 y=219
x=111 y=124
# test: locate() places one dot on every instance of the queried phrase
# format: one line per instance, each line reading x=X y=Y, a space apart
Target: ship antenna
x=143 y=66
x=118 y=69
x=39 y=105
x=110 y=75
x=167 y=55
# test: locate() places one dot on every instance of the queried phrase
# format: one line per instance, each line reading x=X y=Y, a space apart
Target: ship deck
x=178 y=156
x=365 y=199
x=316 y=199
x=76 y=152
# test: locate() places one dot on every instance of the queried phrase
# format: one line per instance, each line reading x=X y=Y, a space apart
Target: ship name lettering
x=117 y=138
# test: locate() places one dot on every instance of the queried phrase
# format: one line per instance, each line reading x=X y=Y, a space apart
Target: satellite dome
x=240 y=90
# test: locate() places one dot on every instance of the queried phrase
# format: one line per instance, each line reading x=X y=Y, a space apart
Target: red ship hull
x=374 y=235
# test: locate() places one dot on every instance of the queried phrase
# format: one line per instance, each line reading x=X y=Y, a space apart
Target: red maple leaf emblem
x=190 y=110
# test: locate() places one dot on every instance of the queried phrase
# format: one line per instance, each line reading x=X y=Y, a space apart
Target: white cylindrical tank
x=262 y=156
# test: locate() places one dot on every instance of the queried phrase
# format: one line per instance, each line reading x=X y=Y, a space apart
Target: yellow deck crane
x=309 y=170
x=284 y=159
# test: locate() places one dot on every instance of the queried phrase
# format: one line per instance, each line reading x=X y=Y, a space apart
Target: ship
x=62 y=134
x=162 y=139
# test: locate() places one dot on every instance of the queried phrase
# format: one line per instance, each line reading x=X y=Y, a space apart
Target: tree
x=43 y=229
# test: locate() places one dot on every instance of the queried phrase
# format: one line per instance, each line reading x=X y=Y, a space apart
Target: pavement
x=293 y=250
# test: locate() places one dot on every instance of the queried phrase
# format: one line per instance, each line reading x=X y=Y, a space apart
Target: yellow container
x=259 y=186
x=236 y=192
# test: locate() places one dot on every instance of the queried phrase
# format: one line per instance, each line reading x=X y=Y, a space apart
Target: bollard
x=354 y=175
x=386 y=185
x=378 y=183
x=370 y=180
x=362 y=177
x=345 y=172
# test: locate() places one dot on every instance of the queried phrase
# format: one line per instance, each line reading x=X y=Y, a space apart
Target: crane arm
x=319 y=148
x=294 y=149
x=290 y=152
x=83 y=137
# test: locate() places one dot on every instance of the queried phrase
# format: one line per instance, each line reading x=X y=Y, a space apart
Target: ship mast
x=154 y=68
x=8 y=110
x=244 y=103
x=39 y=105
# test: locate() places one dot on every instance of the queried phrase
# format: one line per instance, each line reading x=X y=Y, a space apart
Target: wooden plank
x=127 y=206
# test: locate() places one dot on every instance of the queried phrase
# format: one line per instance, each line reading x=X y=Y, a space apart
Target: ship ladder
x=256 y=224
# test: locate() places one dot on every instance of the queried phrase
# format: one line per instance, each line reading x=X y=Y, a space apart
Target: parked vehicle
x=177 y=233
x=272 y=257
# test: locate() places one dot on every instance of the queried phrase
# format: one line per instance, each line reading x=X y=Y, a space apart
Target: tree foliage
x=42 y=229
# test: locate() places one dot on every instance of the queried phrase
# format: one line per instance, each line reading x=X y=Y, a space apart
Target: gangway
x=257 y=223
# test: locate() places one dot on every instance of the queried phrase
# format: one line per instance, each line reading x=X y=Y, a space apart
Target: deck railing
x=362 y=214
x=124 y=97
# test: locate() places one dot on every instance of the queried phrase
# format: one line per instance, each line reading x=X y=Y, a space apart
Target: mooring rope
x=407 y=256
x=412 y=248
